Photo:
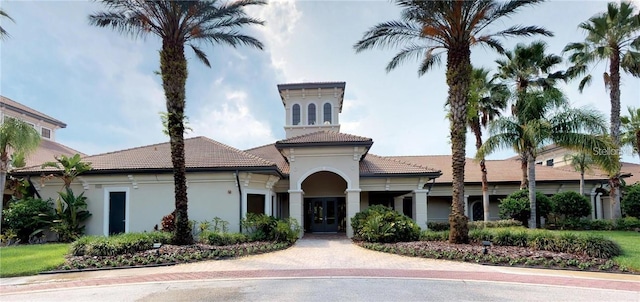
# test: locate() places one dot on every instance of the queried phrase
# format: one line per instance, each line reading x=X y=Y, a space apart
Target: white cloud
x=232 y=123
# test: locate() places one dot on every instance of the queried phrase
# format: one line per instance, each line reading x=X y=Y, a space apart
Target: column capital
x=295 y=191
x=421 y=191
x=353 y=190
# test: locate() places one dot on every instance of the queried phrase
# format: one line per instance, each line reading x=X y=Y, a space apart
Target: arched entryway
x=477 y=211
x=325 y=209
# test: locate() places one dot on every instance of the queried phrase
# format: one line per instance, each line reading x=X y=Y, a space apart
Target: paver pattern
x=323 y=256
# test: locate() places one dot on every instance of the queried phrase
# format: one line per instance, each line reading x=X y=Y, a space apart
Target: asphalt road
x=326 y=289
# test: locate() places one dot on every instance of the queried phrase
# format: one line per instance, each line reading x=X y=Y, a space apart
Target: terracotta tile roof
x=375 y=165
x=13 y=105
x=47 y=151
x=325 y=137
x=626 y=168
x=271 y=153
x=200 y=152
x=507 y=170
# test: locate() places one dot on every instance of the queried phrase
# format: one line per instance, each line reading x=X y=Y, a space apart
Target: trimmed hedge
x=630 y=203
x=222 y=239
x=586 y=244
x=118 y=244
x=518 y=206
x=504 y=223
x=622 y=224
x=260 y=227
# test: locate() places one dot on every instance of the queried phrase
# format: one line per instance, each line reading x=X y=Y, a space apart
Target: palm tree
x=71 y=166
x=544 y=117
x=18 y=137
x=529 y=67
x=426 y=30
x=614 y=37
x=180 y=23
x=631 y=130
x=581 y=162
x=486 y=101
x=3 y=32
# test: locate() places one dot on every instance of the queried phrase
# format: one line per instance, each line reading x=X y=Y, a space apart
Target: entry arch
x=320 y=169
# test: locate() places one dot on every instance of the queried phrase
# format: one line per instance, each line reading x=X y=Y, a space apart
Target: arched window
x=327 y=113
x=296 y=114
x=312 y=114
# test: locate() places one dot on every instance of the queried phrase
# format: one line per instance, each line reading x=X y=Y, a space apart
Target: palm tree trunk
x=582 y=183
x=614 y=94
x=532 y=191
x=173 y=67
x=458 y=77
x=475 y=127
x=523 y=166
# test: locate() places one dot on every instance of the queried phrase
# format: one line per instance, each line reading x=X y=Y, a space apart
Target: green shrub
x=503 y=223
x=630 y=203
x=118 y=244
x=587 y=244
x=382 y=224
x=23 y=216
x=517 y=206
x=438 y=226
x=570 y=205
x=260 y=227
x=627 y=224
x=216 y=238
x=429 y=235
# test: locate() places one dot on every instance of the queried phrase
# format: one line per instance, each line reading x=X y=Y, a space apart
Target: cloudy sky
x=105 y=87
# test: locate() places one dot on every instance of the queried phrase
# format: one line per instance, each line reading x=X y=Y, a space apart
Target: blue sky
x=103 y=84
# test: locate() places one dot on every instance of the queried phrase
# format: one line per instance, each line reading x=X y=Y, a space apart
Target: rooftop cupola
x=311 y=107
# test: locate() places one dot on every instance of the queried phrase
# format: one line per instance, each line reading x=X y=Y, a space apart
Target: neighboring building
x=46 y=127
x=317 y=175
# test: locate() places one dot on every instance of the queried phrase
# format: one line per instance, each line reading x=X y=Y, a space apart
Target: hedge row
x=118 y=244
x=583 y=244
x=444 y=226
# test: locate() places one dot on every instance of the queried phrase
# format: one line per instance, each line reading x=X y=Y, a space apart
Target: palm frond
x=200 y=55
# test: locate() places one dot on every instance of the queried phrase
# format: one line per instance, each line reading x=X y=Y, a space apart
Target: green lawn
x=629 y=242
x=26 y=260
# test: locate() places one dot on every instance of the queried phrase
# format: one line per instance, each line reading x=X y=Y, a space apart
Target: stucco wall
x=150 y=197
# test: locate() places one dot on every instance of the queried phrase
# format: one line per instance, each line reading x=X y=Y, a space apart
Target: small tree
x=570 y=205
x=631 y=201
x=517 y=206
x=71 y=166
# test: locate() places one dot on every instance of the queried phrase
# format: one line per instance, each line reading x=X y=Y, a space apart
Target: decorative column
x=398 y=204
x=420 y=202
x=353 y=207
x=593 y=204
x=598 y=207
x=296 y=210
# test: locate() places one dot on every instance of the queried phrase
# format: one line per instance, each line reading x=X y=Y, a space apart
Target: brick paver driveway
x=323 y=256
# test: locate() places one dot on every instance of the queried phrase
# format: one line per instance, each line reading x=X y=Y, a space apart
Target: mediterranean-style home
x=45 y=125
x=316 y=174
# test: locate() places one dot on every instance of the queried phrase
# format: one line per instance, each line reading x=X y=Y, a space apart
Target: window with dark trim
x=46 y=133
x=312 y=114
x=255 y=203
x=327 y=113
x=296 y=114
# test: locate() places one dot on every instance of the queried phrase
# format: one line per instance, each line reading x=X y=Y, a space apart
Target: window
x=296 y=114
x=255 y=203
x=312 y=114
x=327 y=113
x=550 y=162
x=46 y=133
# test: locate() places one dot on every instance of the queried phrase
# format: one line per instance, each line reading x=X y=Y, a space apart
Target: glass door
x=324 y=215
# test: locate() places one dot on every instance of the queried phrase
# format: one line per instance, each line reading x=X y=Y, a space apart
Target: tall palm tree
x=612 y=36
x=631 y=130
x=528 y=67
x=581 y=162
x=543 y=117
x=16 y=137
x=180 y=23
x=428 y=29
x=3 y=32
x=487 y=99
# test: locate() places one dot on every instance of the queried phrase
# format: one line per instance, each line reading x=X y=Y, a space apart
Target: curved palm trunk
x=458 y=77
x=532 y=191
x=614 y=94
x=173 y=67
x=475 y=127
